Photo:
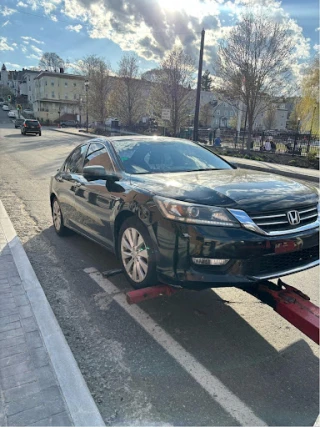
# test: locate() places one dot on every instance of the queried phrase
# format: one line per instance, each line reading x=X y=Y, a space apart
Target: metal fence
x=282 y=143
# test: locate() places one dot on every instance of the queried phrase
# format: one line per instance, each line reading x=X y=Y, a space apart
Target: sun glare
x=173 y=4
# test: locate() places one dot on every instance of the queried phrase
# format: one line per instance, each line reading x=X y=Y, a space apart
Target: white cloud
x=36 y=49
x=11 y=65
x=6 y=11
x=20 y=4
x=24 y=49
x=54 y=18
x=14 y=44
x=75 y=28
x=4 y=44
x=32 y=56
x=5 y=23
x=27 y=39
x=316 y=47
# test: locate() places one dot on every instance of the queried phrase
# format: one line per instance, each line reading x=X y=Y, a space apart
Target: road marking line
x=216 y=389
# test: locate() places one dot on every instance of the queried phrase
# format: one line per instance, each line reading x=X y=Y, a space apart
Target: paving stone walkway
x=29 y=391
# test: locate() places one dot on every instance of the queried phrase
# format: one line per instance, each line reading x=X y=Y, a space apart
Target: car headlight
x=195 y=214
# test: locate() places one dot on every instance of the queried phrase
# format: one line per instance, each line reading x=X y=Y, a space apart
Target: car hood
x=231 y=188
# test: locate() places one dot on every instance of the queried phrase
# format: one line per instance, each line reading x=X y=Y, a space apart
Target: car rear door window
x=98 y=156
x=74 y=163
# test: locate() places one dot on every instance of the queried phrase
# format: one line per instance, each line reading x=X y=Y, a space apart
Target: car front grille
x=278 y=221
x=282 y=262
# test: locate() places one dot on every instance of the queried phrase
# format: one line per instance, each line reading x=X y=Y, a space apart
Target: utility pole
x=196 y=113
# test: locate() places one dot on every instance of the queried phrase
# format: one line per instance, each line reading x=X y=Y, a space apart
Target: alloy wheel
x=134 y=254
x=56 y=214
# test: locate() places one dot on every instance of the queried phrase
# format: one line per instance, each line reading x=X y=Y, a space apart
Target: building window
x=75 y=97
x=52 y=82
x=52 y=94
x=218 y=112
x=65 y=96
x=46 y=83
x=29 y=88
x=66 y=83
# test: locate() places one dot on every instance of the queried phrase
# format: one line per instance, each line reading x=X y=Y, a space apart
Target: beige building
x=58 y=92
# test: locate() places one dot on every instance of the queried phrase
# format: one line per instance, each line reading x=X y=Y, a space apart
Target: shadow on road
x=280 y=387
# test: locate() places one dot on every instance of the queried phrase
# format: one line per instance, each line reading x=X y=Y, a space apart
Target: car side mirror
x=99 y=172
x=233 y=165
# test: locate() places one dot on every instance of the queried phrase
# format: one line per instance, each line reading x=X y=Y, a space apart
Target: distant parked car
x=28 y=111
x=31 y=126
x=69 y=123
x=18 y=123
x=12 y=113
x=5 y=108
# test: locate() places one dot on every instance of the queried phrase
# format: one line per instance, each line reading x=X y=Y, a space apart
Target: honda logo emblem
x=293 y=217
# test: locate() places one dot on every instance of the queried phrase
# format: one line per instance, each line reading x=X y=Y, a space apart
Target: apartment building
x=27 y=86
x=56 y=93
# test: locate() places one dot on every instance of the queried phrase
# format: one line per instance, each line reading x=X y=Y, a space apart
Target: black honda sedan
x=176 y=213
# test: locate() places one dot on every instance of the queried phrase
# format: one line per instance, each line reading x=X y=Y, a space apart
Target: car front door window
x=74 y=163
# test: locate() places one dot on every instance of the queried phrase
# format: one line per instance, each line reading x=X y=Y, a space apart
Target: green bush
x=311 y=156
x=292 y=162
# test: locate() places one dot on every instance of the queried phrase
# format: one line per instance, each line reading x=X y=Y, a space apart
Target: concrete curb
x=81 y=406
x=294 y=174
x=85 y=135
x=277 y=172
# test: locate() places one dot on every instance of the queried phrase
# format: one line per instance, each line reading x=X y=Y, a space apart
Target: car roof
x=147 y=138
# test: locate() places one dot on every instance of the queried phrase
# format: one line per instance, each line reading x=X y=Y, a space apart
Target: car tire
x=57 y=218
x=39 y=133
x=136 y=253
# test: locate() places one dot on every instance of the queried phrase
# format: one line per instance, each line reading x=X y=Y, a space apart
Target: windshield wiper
x=205 y=169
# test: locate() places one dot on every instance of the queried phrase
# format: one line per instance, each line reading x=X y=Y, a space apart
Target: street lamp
x=296 y=136
x=314 y=111
x=86 y=83
x=59 y=116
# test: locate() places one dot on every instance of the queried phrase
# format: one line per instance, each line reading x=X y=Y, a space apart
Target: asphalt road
x=217 y=357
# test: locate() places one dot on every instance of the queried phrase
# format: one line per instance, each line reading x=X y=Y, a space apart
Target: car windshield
x=32 y=122
x=163 y=156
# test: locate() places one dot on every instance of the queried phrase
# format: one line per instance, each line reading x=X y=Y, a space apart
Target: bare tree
x=96 y=70
x=269 y=118
x=171 y=90
x=51 y=61
x=254 y=64
x=127 y=101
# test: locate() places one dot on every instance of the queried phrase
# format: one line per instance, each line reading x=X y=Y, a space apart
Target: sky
x=149 y=28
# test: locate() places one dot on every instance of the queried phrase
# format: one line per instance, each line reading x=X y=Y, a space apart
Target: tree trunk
x=250 y=127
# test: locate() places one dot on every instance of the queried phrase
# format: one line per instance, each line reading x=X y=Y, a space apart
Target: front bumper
x=252 y=257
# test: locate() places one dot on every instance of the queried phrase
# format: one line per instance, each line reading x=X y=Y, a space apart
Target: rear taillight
x=24 y=125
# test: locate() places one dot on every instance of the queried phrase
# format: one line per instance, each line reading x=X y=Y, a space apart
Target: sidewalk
x=289 y=171
x=40 y=382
